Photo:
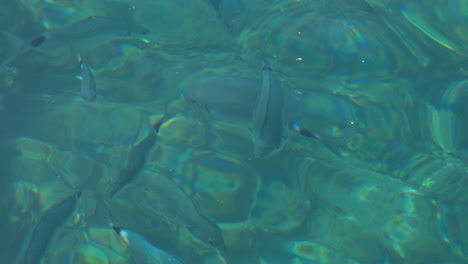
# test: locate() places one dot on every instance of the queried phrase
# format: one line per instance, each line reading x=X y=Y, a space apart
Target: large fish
x=43 y=229
x=142 y=251
x=321 y=115
x=270 y=117
x=84 y=34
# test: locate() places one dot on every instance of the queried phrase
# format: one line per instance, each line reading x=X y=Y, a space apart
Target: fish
x=84 y=34
x=314 y=114
x=232 y=12
x=210 y=90
x=136 y=157
x=89 y=32
x=88 y=81
x=42 y=230
x=142 y=251
x=328 y=116
x=270 y=117
x=331 y=119
x=172 y=202
x=94 y=207
x=136 y=160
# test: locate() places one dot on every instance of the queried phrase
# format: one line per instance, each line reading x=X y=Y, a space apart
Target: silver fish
x=172 y=202
x=328 y=116
x=136 y=160
x=210 y=90
x=41 y=232
x=89 y=32
x=84 y=34
x=136 y=157
x=270 y=118
x=142 y=251
x=88 y=83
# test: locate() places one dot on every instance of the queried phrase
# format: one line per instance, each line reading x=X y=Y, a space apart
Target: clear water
x=373 y=167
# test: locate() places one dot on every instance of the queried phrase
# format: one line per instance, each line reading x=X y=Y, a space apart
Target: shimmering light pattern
x=430 y=33
x=372 y=163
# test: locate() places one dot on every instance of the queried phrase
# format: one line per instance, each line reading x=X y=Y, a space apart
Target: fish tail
x=78 y=56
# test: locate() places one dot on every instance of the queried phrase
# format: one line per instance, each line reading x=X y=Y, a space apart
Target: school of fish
x=263 y=103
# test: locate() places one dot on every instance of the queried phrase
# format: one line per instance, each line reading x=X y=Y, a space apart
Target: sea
x=234 y=131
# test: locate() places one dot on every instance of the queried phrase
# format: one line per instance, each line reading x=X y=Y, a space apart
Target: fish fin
x=167 y=116
x=117 y=229
x=101 y=214
x=78 y=56
x=307 y=133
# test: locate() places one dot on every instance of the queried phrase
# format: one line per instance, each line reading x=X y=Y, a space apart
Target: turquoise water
x=359 y=110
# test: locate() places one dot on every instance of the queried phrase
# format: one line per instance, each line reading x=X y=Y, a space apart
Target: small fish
x=136 y=160
x=210 y=90
x=136 y=157
x=93 y=205
x=89 y=32
x=232 y=12
x=84 y=34
x=306 y=133
x=41 y=232
x=142 y=251
x=179 y=208
x=270 y=118
x=327 y=116
x=88 y=82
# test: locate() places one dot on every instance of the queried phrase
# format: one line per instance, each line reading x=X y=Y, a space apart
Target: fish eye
x=211 y=241
x=353 y=123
